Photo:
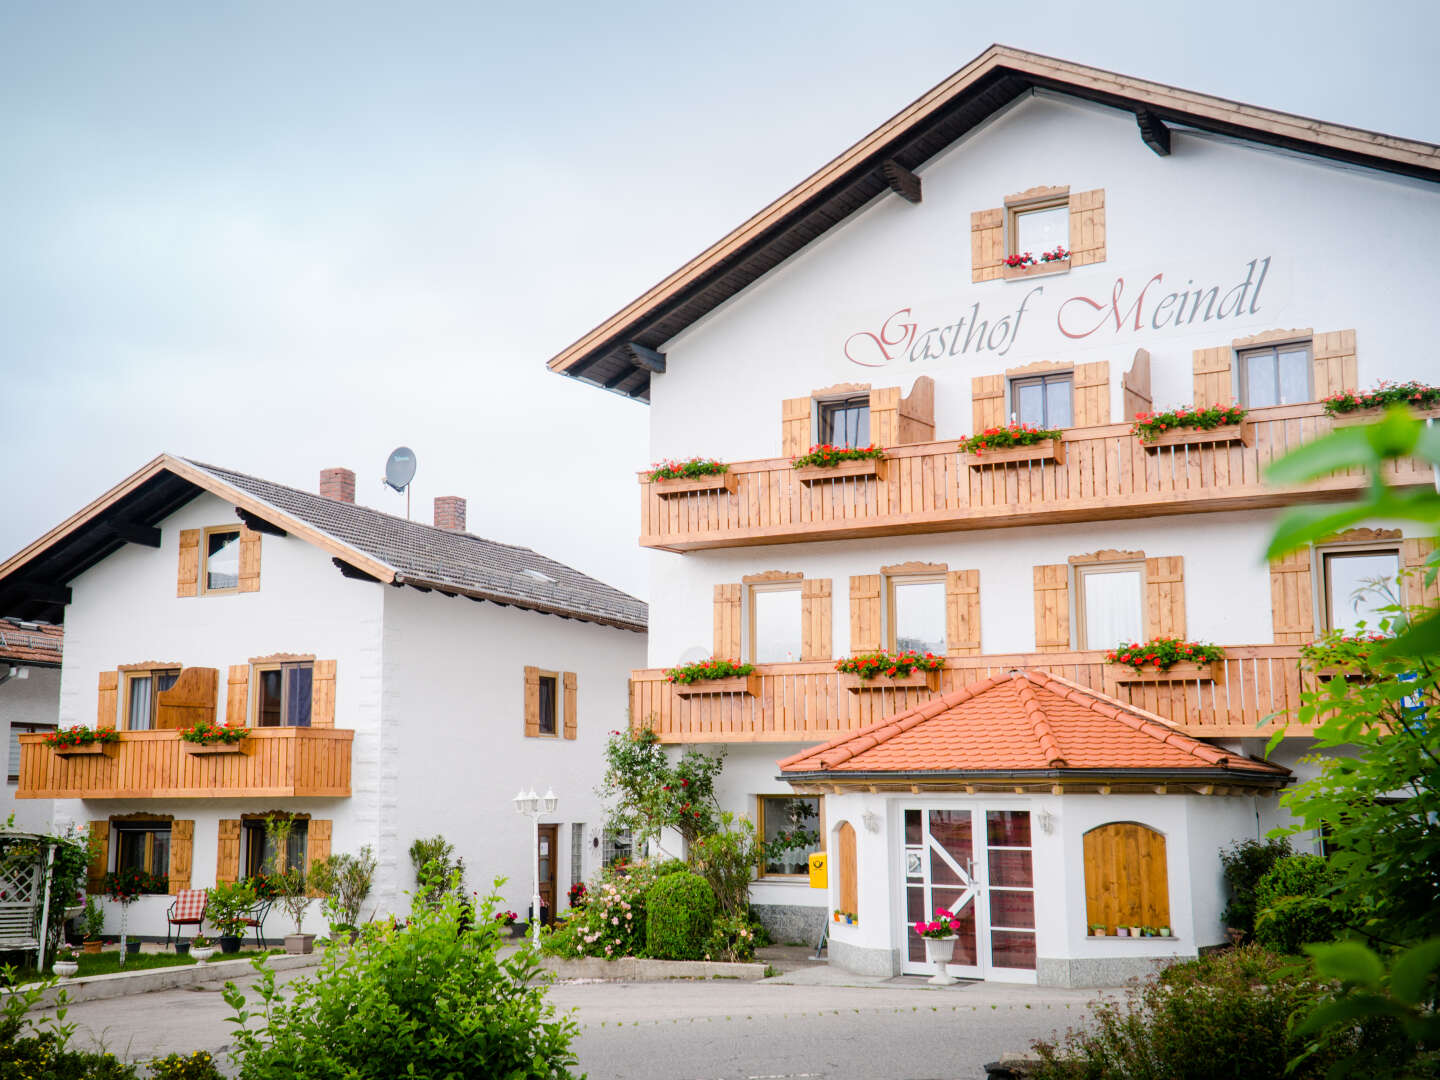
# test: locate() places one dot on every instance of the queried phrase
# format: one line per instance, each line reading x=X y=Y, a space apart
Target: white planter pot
x=937 y=952
x=66 y=969
x=203 y=952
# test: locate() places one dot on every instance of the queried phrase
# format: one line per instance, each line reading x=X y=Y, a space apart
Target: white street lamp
x=535 y=806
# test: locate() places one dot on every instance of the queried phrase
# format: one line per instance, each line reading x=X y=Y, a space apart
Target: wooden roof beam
x=901 y=180
x=646 y=359
x=255 y=523
x=1153 y=132
x=43 y=592
x=132 y=532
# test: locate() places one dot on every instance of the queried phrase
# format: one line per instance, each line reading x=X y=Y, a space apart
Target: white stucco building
x=30 y=655
x=1041 y=243
x=397 y=680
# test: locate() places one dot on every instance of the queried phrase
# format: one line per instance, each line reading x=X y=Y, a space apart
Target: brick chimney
x=337 y=484
x=450 y=513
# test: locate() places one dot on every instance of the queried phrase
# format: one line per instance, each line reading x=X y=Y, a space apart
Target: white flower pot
x=937 y=952
x=202 y=952
x=66 y=969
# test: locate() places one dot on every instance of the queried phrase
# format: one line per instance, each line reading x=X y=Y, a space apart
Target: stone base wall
x=791 y=922
x=862 y=961
x=1098 y=971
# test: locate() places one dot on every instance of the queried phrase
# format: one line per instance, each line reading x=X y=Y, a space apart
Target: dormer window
x=221 y=572
x=843 y=421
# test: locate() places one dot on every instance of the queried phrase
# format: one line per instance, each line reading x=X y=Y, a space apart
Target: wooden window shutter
x=865 y=626
x=187 y=582
x=1333 y=360
x=885 y=416
x=1135 y=385
x=1415 y=555
x=847 y=873
x=317 y=844
x=100 y=858
x=108 y=699
x=815 y=619
x=987 y=244
x=322 y=694
x=795 y=429
x=571 y=726
x=182 y=853
x=1052 y=608
x=249 y=560
x=1087 y=227
x=729 y=599
x=900 y=421
x=987 y=402
x=532 y=702
x=1165 y=597
x=227 y=852
x=237 y=694
x=1126 y=880
x=192 y=700
x=1092 y=394
x=1214 y=384
x=962 y=613
x=1292 y=599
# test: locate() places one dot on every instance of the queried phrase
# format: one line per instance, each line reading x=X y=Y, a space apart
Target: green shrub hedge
x=679 y=917
x=1245 y=864
x=1293 y=904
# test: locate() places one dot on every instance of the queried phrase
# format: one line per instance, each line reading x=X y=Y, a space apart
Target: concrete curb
x=120 y=983
x=635 y=969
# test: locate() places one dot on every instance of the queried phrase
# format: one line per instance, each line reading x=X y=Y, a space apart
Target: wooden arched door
x=1126 y=880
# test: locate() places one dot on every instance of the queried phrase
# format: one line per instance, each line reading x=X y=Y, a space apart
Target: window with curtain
x=1110 y=604
x=1275 y=375
x=1044 y=401
x=775 y=624
x=142 y=697
x=282 y=694
x=917 y=614
x=222 y=559
x=261 y=852
x=1358 y=585
x=843 y=422
x=791 y=818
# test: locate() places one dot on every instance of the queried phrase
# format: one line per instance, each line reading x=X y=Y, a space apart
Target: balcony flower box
x=1045 y=450
x=1242 y=433
x=1036 y=269
x=213 y=748
x=1208 y=672
x=929 y=680
x=1369 y=416
x=86 y=750
x=735 y=684
x=1367 y=406
x=845 y=463
x=673 y=487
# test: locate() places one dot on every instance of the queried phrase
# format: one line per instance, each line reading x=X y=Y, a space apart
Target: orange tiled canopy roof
x=1021 y=720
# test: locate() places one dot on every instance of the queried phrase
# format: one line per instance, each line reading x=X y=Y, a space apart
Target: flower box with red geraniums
x=1014 y=442
x=80 y=740
x=1344 y=656
x=878 y=670
x=207 y=737
x=1025 y=264
x=714 y=677
x=1217 y=424
x=1166 y=660
x=825 y=462
x=672 y=478
x=1361 y=407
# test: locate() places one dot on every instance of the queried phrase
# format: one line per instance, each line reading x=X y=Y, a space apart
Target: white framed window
x=220 y=571
x=1044 y=401
x=775 y=623
x=916 y=607
x=790 y=816
x=1039 y=227
x=1275 y=375
x=843 y=421
x=1109 y=604
x=1356 y=584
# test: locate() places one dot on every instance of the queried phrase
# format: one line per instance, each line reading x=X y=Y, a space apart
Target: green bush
x=1245 y=864
x=731 y=940
x=198 y=1066
x=679 y=917
x=429 y=1000
x=33 y=1045
x=1223 y=1015
x=1293 y=905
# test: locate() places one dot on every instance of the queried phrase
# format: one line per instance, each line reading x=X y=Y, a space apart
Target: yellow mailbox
x=818 y=877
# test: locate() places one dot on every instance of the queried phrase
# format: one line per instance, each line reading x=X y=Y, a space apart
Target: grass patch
x=108 y=963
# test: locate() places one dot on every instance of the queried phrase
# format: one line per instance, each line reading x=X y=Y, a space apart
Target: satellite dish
x=400 y=468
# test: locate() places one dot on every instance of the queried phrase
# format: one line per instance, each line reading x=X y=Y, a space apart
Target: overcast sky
x=279 y=237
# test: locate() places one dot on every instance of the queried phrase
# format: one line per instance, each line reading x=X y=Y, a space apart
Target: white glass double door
x=975 y=863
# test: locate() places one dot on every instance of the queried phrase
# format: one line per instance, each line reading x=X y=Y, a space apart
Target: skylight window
x=538 y=576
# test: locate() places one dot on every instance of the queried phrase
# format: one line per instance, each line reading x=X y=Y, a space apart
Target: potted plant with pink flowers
x=940 y=938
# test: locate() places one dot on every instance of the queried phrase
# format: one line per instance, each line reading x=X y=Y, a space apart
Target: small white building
x=398 y=680
x=30 y=655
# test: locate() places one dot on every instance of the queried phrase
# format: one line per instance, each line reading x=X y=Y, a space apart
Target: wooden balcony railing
x=806 y=702
x=931 y=487
x=157 y=765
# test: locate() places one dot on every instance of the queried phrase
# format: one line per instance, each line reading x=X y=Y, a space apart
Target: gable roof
x=619 y=354
x=363 y=543
x=1019 y=722
x=35 y=644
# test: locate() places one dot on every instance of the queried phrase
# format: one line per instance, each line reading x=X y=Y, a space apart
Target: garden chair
x=255 y=918
x=187 y=909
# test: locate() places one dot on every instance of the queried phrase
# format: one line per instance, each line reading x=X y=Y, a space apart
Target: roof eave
x=449 y=589
x=1228 y=777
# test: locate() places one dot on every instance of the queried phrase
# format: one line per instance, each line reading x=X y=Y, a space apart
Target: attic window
x=538 y=576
